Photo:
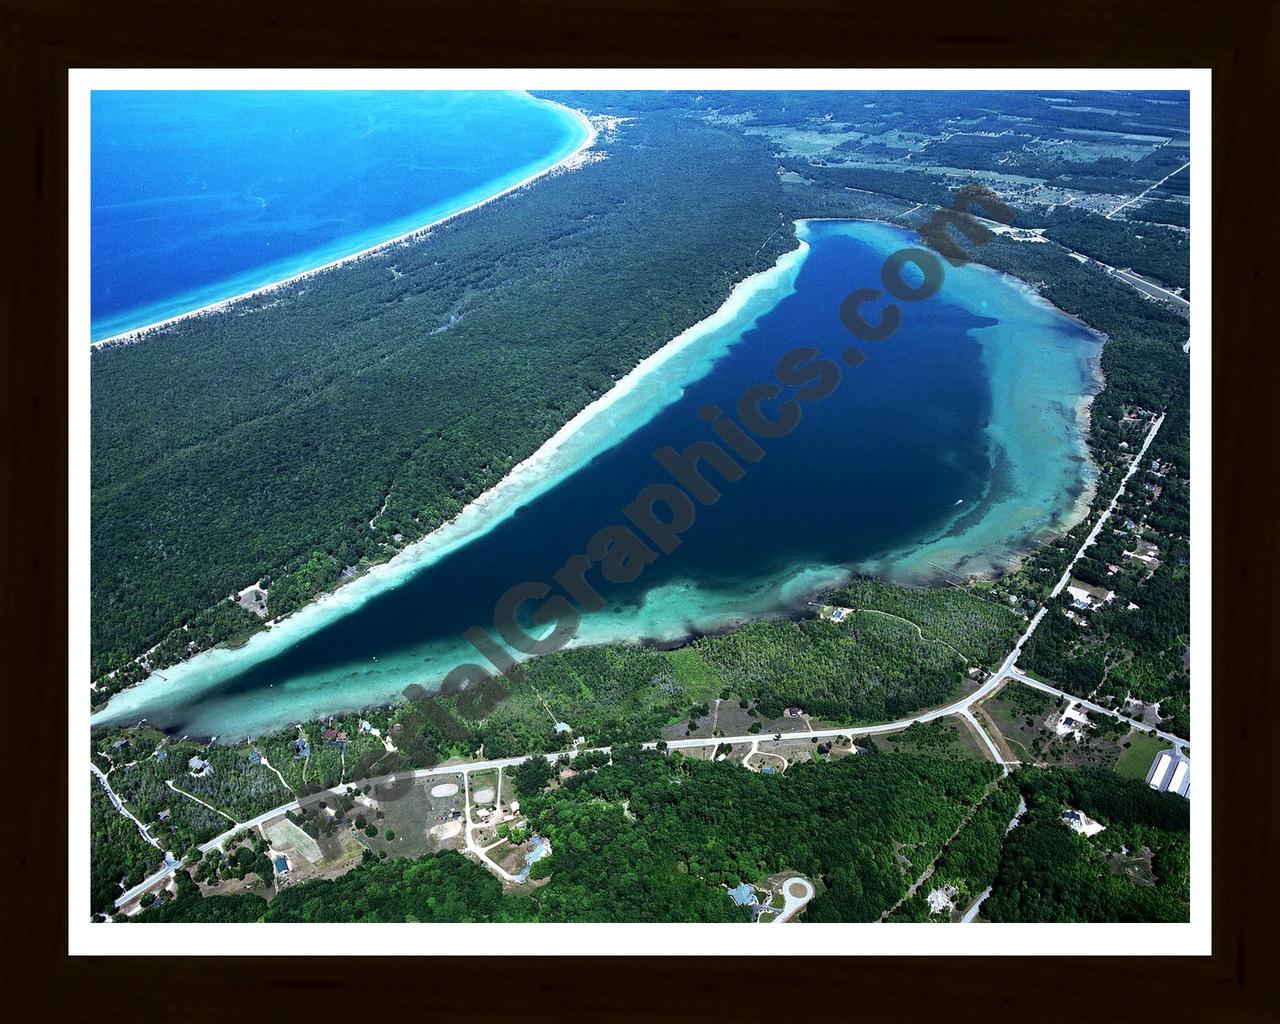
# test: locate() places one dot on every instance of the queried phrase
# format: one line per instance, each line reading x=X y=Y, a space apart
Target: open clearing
x=1135 y=761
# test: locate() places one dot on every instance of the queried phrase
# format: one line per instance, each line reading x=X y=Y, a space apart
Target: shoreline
x=137 y=334
x=556 y=459
x=523 y=482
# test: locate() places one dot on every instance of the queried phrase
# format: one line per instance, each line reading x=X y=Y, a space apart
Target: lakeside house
x=199 y=767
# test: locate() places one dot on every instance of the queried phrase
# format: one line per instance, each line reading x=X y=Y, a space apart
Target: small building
x=1160 y=770
x=1080 y=822
x=282 y=865
x=743 y=895
x=942 y=900
x=1074 y=722
x=198 y=765
x=563 y=727
x=794 y=712
x=255 y=757
x=161 y=755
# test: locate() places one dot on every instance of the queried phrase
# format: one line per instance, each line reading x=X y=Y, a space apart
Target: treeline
x=1162 y=211
x=865 y=669
x=1148 y=249
x=444 y=887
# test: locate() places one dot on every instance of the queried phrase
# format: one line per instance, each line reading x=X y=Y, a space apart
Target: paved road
x=972 y=912
x=1140 y=195
x=1106 y=513
x=1143 y=285
x=793 y=901
x=119 y=806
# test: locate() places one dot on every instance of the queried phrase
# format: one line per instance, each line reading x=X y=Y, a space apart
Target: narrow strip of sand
x=138 y=333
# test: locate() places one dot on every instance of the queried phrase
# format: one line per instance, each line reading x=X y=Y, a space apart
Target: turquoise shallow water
x=201 y=196
x=954 y=444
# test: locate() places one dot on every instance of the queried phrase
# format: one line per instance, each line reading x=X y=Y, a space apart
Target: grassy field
x=1135 y=761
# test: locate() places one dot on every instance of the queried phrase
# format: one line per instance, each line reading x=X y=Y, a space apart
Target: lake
x=953 y=446
x=197 y=197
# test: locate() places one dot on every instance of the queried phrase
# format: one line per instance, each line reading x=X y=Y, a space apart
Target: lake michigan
x=197 y=197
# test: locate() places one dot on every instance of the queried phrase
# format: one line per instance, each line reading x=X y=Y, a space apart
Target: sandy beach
x=569 y=161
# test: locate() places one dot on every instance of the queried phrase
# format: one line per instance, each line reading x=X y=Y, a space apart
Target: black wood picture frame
x=42 y=39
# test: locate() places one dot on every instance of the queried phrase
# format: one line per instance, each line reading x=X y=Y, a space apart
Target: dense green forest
x=1136 y=870
x=1160 y=252
x=969 y=862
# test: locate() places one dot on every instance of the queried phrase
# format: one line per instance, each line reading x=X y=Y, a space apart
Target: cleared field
x=285 y=835
x=1135 y=761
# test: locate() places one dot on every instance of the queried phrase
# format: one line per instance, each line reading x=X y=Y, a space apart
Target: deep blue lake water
x=201 y=196
x=955 y=440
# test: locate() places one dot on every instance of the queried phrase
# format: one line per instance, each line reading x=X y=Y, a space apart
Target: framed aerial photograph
x=687 y=536
x=523 y=498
